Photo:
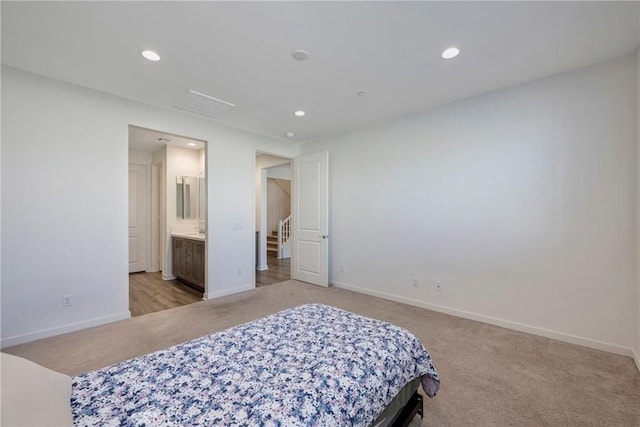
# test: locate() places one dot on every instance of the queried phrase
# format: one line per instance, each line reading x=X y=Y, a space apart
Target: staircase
x=279 y=242
x=272 y=243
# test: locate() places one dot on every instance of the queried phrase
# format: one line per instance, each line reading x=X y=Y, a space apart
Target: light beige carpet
x=490 y=376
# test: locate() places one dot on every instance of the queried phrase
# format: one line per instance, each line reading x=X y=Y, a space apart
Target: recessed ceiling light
x=151 y=55
x=191 y=144
x=289 y=134
x=300 y=54
x=449 y=53
x=362 y=94
x=299 y=113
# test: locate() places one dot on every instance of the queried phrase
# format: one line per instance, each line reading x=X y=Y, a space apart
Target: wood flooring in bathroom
x=149 y=293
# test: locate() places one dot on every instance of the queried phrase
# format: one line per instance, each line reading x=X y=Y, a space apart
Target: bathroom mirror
x=187 y=195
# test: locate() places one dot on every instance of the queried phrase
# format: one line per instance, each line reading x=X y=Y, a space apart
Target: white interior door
x=310 y=219
x=137 y=217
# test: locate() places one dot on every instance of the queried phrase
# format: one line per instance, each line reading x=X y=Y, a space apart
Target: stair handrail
x=284 y=232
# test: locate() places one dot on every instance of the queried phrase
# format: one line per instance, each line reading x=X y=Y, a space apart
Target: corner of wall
x=0 y=200
x=636 y=349
x=223 y=293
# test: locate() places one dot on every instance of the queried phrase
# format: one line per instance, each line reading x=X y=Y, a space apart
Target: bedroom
x=534 y=227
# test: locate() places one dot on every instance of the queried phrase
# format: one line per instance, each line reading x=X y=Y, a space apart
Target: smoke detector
x=300 y=55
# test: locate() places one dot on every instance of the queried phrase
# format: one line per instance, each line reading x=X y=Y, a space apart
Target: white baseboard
x=223 y=293
x=636 y=358
x=21 y=339
x=172 y=277
x=262 y=267
x=572 y=339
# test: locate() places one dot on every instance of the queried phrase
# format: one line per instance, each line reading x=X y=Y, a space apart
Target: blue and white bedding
x=312 y=365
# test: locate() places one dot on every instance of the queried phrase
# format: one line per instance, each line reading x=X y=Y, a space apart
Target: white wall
x=637 y=344
x=202 y=211
x=157 y=211
x=64 y=228
x=281 y=172
x=1 y=219
x=520 y=202
x=278 y=205
x=264 y=161
x=202 y=163
x=279 y=198
x=139 y=157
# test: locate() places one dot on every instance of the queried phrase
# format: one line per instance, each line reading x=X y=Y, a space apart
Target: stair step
x=272 y=249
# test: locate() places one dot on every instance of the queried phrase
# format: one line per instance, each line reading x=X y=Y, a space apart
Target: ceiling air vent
x=200 y=103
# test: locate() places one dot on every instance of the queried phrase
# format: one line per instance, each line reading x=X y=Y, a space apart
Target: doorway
x=273 y=218
x=158 y=163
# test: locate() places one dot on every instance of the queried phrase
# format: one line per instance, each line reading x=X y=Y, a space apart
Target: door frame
x=162 y=245
x=262 y=244
x=261 y=248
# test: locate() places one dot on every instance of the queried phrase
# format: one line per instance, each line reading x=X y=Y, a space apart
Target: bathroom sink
x=189 y=235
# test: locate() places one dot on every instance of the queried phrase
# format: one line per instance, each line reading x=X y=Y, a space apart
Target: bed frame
x=415 y=406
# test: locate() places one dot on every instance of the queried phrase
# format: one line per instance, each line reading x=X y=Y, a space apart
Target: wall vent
x=200 y=103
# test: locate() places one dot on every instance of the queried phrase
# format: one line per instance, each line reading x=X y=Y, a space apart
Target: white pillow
x=33 y=395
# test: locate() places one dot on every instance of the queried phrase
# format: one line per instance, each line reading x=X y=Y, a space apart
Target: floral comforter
x=312 y=365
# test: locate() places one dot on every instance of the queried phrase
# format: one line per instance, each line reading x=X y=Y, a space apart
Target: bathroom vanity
x=188 y=258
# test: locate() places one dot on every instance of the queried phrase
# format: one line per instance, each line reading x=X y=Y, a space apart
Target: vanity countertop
x=189 y=235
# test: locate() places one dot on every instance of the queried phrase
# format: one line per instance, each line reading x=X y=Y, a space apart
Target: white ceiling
x=240 y=52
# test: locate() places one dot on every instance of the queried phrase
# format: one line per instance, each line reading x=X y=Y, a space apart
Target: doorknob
x=324 y=236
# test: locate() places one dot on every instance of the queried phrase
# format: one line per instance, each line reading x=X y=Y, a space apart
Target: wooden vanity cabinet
x=188 y=261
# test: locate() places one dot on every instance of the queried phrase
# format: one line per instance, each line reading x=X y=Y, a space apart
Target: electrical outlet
x=415 y=282
x=67 y=301
x=438 y=286
x=342 y=269
x=239 y=272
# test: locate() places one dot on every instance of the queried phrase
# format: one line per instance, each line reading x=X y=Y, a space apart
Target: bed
x=312 y=365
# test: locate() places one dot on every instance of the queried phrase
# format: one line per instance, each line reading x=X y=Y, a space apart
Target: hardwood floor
x=279 y=271
x=148 y=293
